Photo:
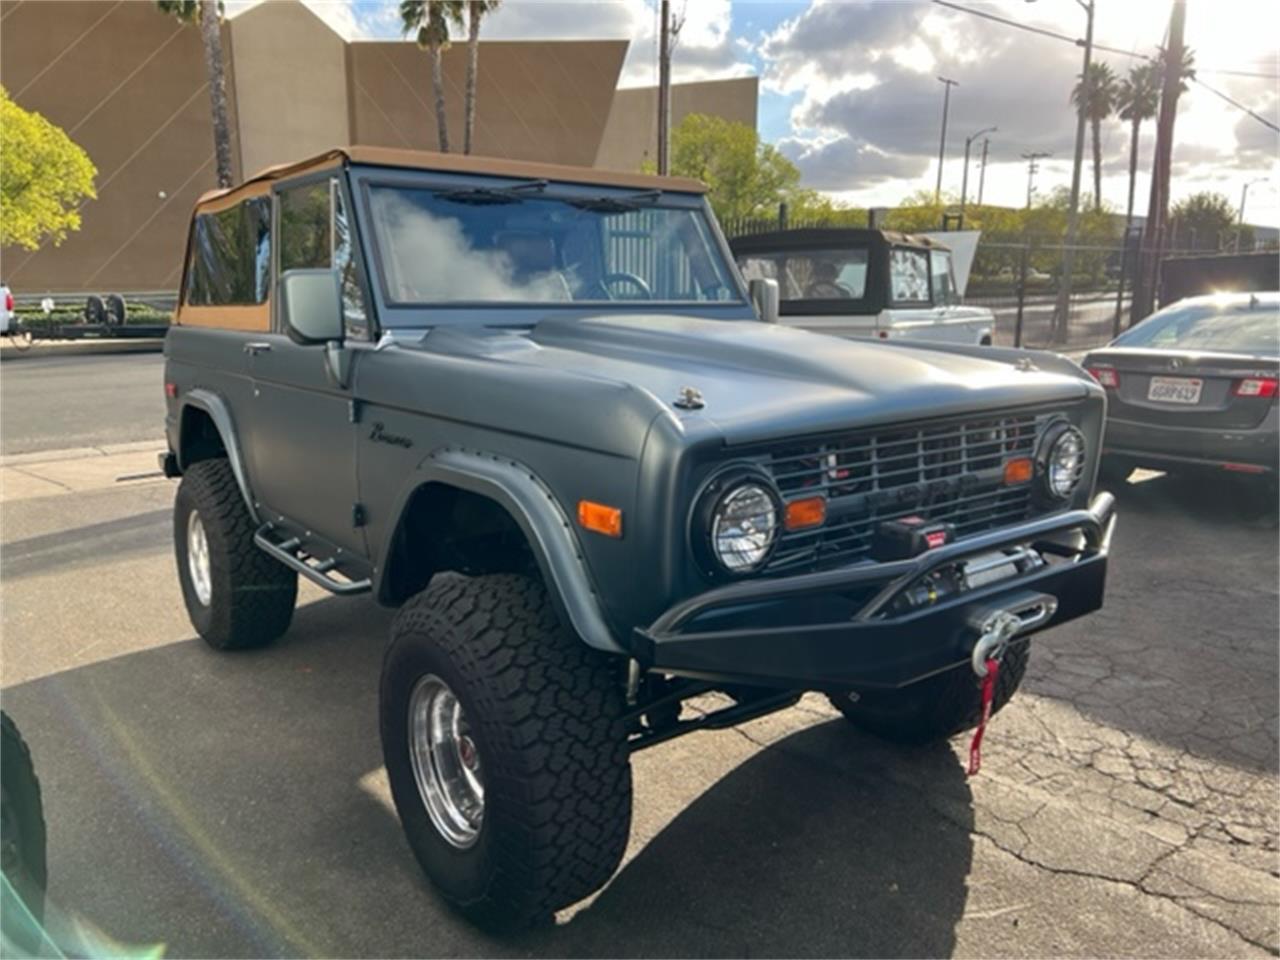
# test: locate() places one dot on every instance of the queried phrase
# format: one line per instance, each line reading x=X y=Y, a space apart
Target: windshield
x=510 y=245
x=811 y=274
x=1233 y=327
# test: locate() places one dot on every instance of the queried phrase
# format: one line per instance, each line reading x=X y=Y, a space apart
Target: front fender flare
x=216 y=407
x=531 y=504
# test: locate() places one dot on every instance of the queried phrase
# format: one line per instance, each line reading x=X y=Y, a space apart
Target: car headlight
x=1062 y=460
x=741 y=520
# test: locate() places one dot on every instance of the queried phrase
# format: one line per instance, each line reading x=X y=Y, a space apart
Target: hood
x=763 y=381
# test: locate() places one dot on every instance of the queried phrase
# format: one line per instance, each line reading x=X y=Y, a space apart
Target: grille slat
x=951 y=472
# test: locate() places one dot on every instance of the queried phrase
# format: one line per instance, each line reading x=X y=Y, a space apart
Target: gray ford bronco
x=537 y=409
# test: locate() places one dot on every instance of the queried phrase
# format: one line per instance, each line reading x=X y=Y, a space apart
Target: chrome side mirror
x=311 y=305
x=765 y=298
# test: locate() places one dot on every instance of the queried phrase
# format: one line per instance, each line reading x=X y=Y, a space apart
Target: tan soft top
x=452 y=163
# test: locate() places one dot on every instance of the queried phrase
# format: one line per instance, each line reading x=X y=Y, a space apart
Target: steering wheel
x=631 y=278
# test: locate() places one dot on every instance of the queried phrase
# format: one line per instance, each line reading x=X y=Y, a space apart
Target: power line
x=1235 y=103
x=1116 y=50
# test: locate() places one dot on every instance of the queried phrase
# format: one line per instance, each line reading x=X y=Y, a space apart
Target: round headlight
x=744 y=526
x=1063 y=462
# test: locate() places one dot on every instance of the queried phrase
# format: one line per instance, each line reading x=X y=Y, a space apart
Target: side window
x=230 y=259
x=909 y=275
x=944 y=289
x=315 y=232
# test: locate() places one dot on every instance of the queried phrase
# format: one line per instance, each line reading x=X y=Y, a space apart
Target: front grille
x=951 y=471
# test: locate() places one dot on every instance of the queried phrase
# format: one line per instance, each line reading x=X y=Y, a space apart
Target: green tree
x=476 y=11
x=430 y=20
x=1096 y=99
x=44 y=177
x=1203 y=221
x=746 y=176
x=208 y=14
x=1137 y=100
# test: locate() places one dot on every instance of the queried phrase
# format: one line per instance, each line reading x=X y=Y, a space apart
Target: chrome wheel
x=446 y=762
x=198 y=559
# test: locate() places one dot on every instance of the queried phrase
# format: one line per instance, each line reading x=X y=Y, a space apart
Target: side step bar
x=288 y=553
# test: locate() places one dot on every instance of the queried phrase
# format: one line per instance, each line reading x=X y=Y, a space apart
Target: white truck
x=867 y=283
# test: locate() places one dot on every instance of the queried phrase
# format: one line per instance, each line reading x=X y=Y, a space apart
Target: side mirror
x=312 y=305
x=765 y=297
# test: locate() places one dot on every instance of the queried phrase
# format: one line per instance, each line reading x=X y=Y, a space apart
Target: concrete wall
x=296 y=68
x=535 y=101
x=631 y=135
x=127 y=83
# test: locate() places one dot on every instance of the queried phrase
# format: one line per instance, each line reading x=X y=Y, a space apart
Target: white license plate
x=1175 y=389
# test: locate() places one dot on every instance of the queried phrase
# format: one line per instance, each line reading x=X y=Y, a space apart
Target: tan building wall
x=631 y=135
x=296 y=68
x=546 y=101
x=128 y=84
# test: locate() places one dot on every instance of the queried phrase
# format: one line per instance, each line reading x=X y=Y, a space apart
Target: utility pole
x=664 y=89
x=942 y=143
x=1144 y=288
x=982 y=175
x=1033 y=167
x=1244 y=196
x=964 y=180
x=1073 y=212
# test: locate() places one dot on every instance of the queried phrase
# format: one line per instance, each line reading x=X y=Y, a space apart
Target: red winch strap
x=988 y=692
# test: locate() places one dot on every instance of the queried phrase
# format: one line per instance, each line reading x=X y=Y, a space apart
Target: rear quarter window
x=230 y=258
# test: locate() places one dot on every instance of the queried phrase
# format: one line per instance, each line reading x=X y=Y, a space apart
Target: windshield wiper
x=625 y=204
x=482 y=196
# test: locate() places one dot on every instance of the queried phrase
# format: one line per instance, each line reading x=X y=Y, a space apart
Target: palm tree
x=208 y=13
x=476 y=10
x=1137 y=100
x=430 y=19
x=1096 y=104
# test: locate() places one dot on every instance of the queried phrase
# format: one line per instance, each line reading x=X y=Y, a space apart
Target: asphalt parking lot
x=234 y=805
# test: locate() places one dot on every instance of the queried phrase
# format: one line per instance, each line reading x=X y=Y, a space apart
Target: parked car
x=1195 y=385
x=537 y=409
x=8 y=317
x=864 y=283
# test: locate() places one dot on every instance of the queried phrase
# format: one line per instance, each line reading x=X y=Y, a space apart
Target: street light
x=942 y=144
x=1073 y=213
x=964 y=181
x=1244 y=195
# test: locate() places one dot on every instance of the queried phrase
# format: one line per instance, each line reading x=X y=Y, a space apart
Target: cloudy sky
x=849 y=88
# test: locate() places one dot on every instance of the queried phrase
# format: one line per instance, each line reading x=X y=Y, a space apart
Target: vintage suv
x=538 y=410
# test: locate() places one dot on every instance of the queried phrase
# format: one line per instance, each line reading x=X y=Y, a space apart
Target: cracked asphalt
x=1128 y=805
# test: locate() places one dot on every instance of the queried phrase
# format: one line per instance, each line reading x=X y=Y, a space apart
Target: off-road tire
x=22 y=835
x=253 y=595
x=546 y=712
x=937 y=708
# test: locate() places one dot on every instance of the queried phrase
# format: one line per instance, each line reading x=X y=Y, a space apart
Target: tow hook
x=998 y=625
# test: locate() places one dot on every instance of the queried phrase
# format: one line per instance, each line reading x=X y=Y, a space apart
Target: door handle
x=256 y=347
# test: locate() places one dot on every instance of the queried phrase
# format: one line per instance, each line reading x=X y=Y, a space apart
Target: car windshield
x=512 y=245
x=1237 y=326
x=811 y=274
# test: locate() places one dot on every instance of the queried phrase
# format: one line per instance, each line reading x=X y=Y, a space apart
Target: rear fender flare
x=535 y=509
x=216 y=407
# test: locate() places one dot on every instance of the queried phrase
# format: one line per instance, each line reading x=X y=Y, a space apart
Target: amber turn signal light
x=1018 y=471
x=810 y=512
x=601 y=519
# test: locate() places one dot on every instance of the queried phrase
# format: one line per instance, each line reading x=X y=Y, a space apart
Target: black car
x=1195 y=384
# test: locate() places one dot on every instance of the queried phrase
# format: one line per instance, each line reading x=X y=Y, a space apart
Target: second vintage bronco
x=538 y=410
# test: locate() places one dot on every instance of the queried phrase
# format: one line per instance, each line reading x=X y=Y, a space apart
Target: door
x=302 y=442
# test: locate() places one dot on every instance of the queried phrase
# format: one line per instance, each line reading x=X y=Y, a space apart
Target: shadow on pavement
x=1184 y=650
x=234 y=805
